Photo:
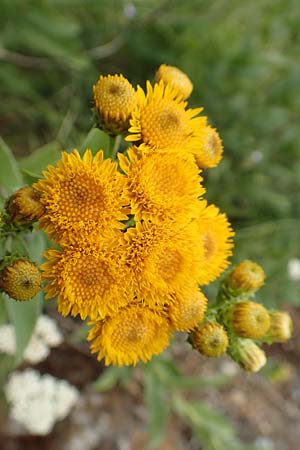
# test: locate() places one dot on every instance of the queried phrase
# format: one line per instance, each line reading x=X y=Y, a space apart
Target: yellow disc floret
x=250 y=319
x=215 y=234
x=89 y=281
x=135 y=333
x=162 y=258
x=161 y=120
x=188 y=309
x=210 y=339
x=115 y=99
x=162 y=185
x=176 y=78
x=81 y=197
x=20 y=279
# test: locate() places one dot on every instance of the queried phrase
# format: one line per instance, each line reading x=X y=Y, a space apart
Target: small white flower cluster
x=37 y=402
x=45 y=335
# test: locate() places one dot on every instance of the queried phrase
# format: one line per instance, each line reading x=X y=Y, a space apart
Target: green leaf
x=96 y=140
x=10 y=175
x=23 y=316
x=111 y=377
x=36 y=162
x=158 y=408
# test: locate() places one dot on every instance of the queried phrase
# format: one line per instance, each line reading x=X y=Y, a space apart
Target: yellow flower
x=216 y=237
x=21 y=279
x=89 y=281
x=188 y=309
x=81 y=197
x=246 y=277
x=161 y=120
x=176 y=78
x=115 y=99
x=162 y=258
x=248 y=355
x=24 y=206
x=135 y=333
x=210 y=153
x=210 y=339
x=249 y=319
x=161 y=185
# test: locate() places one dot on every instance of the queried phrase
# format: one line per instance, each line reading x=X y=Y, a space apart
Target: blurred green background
x=243 y=58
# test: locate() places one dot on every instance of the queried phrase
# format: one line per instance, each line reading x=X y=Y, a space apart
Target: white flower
x=294 y=269
x=37 y=402
x=45 y=335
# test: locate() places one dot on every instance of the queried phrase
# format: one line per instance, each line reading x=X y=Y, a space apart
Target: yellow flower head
x=161 y=120
x=115 y=99
x=248 y=355
x=135 y=333
x=216 y=237
x=188 y=309
x=246 y=277
x=281 y=327
x=89 y=281
x=176 y=78
x=24 y=206
x=209 y=154
x=21 y=279
x=210 y=339
x=162 y=258
x=249 y=319
x=161 y=185
x=81 y=197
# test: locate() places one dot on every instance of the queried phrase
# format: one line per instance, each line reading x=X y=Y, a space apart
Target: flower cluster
x=237 y=324
x=136 y=237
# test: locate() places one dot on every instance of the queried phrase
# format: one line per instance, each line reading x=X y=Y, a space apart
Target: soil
x=264 y=408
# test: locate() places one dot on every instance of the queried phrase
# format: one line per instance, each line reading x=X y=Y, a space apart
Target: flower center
x=170 y=265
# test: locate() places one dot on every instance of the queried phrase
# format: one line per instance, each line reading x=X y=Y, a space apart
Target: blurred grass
x=243 y=60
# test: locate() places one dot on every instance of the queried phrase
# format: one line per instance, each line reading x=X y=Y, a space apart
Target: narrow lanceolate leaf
x=10 y=175
x=37 y=161
x=23 y=315
x=158 y=407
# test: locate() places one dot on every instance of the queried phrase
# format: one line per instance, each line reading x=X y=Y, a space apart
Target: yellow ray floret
x=161 y=120
x=81 y=196
x=210 y=153
x=216 y=234
x=135 y=333
x=163 y=259
x=161 y=185
x=176 y=78
x=188 y=309
x=114 y=98
x=89 y=281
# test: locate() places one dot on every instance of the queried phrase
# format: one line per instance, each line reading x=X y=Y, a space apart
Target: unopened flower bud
x=24 y=206
x=249 y=319
x=281 y=328
x=210 y=339
x=248 y=355
x=176 y=78
x=20 y=279
x=210 y=153
x=246 y=277
x=188 y=310
x=115 y=99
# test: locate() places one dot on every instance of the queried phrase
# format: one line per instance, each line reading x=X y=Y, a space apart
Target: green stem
x=115 y=146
